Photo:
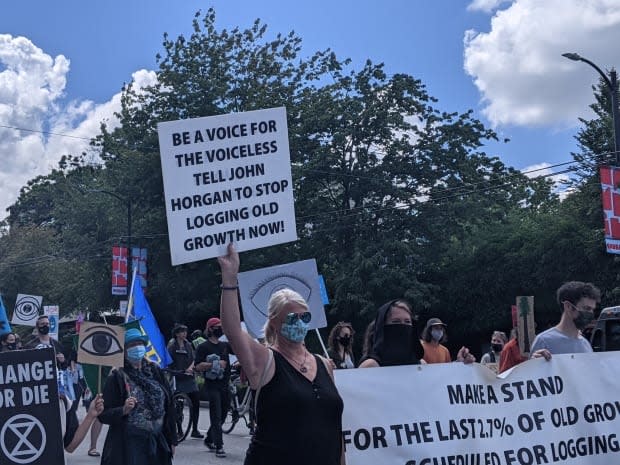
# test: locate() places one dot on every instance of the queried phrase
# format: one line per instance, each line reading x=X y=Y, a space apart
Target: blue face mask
x=296 y=331
x=136 y=353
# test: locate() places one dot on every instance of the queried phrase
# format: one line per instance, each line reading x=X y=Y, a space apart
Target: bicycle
x=182 y=404
x=241 y=399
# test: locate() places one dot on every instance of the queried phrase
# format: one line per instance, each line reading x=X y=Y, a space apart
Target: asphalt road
x=189 y=452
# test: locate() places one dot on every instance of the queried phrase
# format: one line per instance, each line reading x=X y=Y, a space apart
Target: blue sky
x=62 y=64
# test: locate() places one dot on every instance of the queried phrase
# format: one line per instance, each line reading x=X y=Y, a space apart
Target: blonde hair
x=277 y=302
x=501 y=335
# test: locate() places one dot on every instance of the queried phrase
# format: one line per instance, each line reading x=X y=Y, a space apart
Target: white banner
x=53 y=312
x=566 y=410
x=256 y=287
x=227 y=178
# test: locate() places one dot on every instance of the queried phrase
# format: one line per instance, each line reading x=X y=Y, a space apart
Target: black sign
x=30 y=428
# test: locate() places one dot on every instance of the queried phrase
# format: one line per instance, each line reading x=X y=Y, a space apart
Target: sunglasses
x=292 y=318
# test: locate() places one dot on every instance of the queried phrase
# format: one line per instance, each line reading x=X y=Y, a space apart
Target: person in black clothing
x=298 y=408
x=8 y=341
x=182 y=353
x=391 y=340
x=43 y=339
x=212 y=358
x=340 y=345
x=139 y=408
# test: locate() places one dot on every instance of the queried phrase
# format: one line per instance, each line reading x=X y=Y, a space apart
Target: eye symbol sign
x=19 y=438
x=101 y=341
x=263 y=292
x=27 y=307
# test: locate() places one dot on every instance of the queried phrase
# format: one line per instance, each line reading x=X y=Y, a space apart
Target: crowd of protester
x=296 y=403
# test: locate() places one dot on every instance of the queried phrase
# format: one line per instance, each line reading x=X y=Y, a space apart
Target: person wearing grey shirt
x=577 y=300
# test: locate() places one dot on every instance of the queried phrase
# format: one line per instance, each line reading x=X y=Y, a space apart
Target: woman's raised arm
x=252 y=355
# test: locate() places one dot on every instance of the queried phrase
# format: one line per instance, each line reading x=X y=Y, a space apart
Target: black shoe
x=197 y=434
x=220 y=453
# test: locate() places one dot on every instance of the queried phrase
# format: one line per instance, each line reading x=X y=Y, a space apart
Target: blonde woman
x=298 y=409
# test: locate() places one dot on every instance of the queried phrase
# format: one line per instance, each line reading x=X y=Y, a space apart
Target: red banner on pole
x=119 y=270
x=610 y=184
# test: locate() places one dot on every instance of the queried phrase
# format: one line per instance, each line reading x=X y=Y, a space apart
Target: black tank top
x=298 y=421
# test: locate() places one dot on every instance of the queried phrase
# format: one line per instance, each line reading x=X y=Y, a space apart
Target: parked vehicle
x=606 y=333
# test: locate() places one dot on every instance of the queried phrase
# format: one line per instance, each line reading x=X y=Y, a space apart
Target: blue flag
x=5 y=327
x=138 y=309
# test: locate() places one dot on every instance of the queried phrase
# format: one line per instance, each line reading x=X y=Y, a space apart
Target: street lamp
x=127 y=202
x=612 y=86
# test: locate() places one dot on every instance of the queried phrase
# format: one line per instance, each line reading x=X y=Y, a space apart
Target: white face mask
x=436 y=334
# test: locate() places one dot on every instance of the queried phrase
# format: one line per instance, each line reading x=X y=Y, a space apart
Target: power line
x=47 y=133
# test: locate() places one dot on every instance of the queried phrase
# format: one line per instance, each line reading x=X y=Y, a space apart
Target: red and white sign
x=610 y=183
x=119 y=270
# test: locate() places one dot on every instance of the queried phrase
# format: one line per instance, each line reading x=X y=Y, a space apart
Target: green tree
x=386 y=184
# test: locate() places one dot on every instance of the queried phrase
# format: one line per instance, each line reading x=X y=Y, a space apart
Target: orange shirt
x=435 y=353
x=511 y=356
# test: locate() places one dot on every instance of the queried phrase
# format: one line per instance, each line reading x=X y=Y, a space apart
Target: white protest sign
x=27 y=308
x=227 y=179
x=53 y=313
x=256 y=287
x=561 y=411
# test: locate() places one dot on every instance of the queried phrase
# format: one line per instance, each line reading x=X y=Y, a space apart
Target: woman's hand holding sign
x=130 y=404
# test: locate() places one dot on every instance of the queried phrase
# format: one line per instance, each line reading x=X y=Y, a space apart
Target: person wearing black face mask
x=498 y=339
x=182 y=353
x=391 y=340
x=212 y=358
x=577 y=300
x=43 y=339
x=340 y=345
x=8 y=341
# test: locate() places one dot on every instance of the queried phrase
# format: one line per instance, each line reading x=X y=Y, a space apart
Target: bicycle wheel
x=230 y=420
x=183 y=406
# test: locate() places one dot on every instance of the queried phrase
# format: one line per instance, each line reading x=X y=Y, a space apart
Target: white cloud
x=32 y=85
x=518 y=68
x=486 y=5
x=545 y=169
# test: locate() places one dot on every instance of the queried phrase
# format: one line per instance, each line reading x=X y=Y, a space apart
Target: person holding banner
x=298 y=408
x=498 y=340
x=390 y=340
x=511 y=353
x=340 y=345
x=577 y=301
x=434 y=334
x=139 y=409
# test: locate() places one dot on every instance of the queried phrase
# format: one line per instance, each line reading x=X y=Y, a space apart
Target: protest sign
x=539 y=412
x=30 y=427
x=256 y=287
x=53 y=313
x=525 y=323
x=101 y=344
x=27 y=308
x=227 y=178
